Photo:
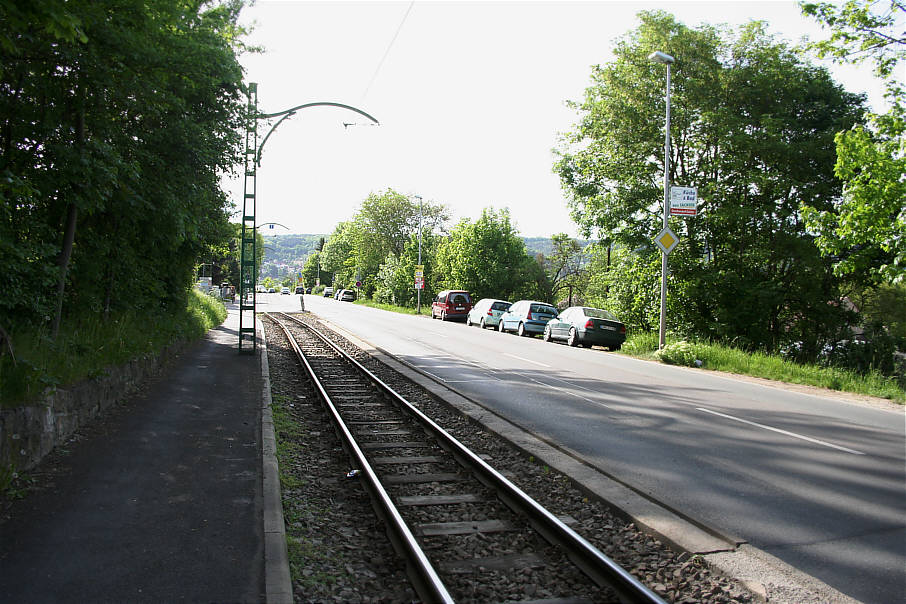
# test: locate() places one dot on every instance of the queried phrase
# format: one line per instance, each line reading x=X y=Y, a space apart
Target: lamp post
x=660 y=57
x=418 y=290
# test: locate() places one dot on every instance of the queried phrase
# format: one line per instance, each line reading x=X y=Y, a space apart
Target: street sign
x=419 y=270
x=419 y=283
x=683 y=201
x=666 y=240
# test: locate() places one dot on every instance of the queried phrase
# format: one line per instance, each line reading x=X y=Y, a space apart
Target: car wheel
x=616 y=348
x=481 y=323
x=468 y=321
x=521 y=330
x=546 y=336
x=573 y=338
x=443 y=315
x=500 y=326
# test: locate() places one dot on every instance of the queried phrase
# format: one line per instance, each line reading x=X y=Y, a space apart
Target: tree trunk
x=72 y=213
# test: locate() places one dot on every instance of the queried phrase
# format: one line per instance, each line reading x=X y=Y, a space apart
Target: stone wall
x=29 y=433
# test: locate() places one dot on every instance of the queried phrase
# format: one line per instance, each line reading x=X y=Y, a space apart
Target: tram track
x=436 y=496
x=338 y=548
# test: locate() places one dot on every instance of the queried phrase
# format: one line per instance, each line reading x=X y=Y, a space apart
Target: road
x=818 y=481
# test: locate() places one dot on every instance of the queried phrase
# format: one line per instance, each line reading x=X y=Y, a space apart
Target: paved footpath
x=161 y=501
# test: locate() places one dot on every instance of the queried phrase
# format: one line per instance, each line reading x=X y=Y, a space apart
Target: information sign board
x=683 y=201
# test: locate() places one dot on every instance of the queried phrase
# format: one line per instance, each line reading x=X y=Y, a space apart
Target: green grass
x=756 y=364
x=404 y=310
x=88 y=344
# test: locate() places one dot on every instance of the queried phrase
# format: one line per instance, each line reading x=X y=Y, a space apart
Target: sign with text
x=419 y=283
x=683 y=201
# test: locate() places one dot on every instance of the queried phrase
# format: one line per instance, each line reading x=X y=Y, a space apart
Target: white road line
x=526 y=360
x=779 y=431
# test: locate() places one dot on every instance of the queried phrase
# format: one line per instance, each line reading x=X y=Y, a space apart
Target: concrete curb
x=278 y=586
x=767 y=577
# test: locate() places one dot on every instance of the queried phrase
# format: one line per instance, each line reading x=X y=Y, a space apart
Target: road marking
x=779 y=431
x=526 y=360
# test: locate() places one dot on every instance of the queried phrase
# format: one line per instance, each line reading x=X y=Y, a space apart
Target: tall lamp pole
x=418 y=290
x=660 y=57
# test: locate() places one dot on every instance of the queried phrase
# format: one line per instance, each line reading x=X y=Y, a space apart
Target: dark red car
x=451 y=304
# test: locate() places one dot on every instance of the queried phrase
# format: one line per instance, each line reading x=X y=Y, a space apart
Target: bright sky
x=470 y=96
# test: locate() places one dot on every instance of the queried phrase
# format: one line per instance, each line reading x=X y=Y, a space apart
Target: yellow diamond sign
x=666 y=240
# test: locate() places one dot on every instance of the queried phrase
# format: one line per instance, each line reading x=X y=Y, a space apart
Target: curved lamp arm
x=292 y=111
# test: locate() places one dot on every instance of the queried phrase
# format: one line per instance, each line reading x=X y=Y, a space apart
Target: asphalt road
x=817 y=481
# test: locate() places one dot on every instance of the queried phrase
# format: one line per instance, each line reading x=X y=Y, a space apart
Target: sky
x=470 y=96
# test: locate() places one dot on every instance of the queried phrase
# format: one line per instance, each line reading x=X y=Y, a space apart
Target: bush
x=677 y=353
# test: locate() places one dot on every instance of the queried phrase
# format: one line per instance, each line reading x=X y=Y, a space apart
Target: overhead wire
x=387 y=52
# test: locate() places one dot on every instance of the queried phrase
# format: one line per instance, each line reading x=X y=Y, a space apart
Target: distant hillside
x=293 y=249
x=287 y=249
x=544 y=245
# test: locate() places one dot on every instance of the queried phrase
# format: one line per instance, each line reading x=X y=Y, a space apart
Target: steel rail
x=424 y=577
x=596 y=565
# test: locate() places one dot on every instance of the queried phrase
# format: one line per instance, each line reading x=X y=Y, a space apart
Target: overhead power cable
x=386 y=52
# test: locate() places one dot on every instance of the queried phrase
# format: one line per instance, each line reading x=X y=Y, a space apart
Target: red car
x=451 y=304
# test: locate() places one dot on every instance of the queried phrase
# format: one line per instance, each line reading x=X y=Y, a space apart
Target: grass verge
x=756 y=364
x=88 y=344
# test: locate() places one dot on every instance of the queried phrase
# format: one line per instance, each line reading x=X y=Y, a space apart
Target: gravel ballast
x=338 y=548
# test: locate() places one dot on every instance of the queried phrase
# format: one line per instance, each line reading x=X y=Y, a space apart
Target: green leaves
x=127 y=111
x=752 y=127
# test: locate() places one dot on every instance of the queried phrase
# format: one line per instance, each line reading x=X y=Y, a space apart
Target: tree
x=756 y=158
x=117 y=120
x=563 y=267
x=487 y=258
x=866 y=228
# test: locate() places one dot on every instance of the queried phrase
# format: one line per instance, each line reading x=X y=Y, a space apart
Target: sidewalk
x=161 y=501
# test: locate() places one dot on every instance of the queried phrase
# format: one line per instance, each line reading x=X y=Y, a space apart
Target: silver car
x=486 y=312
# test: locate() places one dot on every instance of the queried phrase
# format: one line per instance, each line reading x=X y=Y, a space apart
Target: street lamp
x=418 y=290
x=660 y=57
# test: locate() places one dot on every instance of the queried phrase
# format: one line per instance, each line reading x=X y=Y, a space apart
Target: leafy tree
x=866 y=228
x=338 y=254
x=563 y=268
x=756 y=158
x=116 y=121
x=488 y=258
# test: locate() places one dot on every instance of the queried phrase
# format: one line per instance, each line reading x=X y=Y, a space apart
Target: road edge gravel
x=767 y=577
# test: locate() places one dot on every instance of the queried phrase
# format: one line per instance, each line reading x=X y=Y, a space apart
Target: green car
x=586 y=326
x=486 y=313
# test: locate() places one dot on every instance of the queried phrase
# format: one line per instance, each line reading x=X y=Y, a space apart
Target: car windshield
x=500 y=306
x=543 y=308
x=597 y=313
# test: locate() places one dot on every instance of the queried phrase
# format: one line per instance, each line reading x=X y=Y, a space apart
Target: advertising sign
x=683 y=201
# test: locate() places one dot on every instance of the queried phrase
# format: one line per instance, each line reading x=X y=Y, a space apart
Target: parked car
x=486 y=312
x=328 y=292
x=307 y=290
x=347 y=295
x=526 y=317
x=586 y=326
x=271 y=290
x=451 y=304
x=300 y=289
x=284 y=290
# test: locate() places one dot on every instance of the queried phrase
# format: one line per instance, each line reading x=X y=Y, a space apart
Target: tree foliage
x=866 y=228
x=488 y=258
x=753 y=128
x=117 y=119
